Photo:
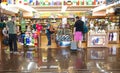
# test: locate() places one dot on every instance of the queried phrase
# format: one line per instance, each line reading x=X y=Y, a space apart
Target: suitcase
x=73 y=46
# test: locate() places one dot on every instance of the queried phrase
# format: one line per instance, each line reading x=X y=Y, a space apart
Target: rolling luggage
x=73 y=46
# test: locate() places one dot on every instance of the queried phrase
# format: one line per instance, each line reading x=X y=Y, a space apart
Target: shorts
x=78 y=36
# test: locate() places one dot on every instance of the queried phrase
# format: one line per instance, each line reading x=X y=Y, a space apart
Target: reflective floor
x=61 y=60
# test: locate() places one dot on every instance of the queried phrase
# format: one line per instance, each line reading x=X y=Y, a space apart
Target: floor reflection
x=62 y=60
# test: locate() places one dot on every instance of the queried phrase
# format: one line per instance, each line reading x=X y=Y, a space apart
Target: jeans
x=13 y=42
x=49 y=38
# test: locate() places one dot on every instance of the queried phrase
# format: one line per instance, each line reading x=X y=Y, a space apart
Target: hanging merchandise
x=30 y=1
x=89 y=2
x=34 y=2
x=41 y=2
x=46 y=2
x=51 y=2
x=100 y=2
x=20 y=1
x=74 y=2
x=9 y=1
x=37 y=2
x=94 y=2
x=82 y=2
x=23 y=26
x=26 y=2
x=58 y=2
x=4 y=1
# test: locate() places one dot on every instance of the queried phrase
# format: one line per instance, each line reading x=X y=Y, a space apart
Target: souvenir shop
x=102 y=21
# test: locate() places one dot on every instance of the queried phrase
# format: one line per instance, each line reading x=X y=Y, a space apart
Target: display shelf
x=97 y=40
x=113 y=30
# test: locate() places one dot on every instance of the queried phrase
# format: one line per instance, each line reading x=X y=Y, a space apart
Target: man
x=11 y=26
x=78 y=31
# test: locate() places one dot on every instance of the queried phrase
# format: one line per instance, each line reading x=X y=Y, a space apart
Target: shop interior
x=100 y=50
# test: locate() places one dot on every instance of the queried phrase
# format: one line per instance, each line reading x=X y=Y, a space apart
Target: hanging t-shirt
x=39 y=27
x=34 y=26
x=23 y=26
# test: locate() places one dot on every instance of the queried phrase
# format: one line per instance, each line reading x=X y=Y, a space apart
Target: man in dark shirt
x=78 y=29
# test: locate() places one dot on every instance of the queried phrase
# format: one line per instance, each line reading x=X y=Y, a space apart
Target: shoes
x=48 y=45
x=16 y=52
x=11 y=51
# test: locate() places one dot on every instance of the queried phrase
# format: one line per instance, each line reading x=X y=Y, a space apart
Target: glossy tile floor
x=61 y=60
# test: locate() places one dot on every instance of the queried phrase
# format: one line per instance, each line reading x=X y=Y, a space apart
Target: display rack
x=113 y=30
x=63 y=37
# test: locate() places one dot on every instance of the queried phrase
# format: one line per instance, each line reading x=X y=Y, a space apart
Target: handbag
x=5 y=41
x=51 y=32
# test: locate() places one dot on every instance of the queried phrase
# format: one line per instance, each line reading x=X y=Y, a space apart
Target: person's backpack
x=85 y=29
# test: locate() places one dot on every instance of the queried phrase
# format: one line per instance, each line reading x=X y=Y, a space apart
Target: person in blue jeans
x=48 y=34
x=11 y=27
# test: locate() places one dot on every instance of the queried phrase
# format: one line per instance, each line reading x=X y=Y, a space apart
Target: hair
x=77 y=17
x=12 y=17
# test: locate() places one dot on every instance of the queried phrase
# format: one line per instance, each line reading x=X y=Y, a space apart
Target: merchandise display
x=28 y=38
x=113 y=29
x=97 y=40
x=63 y=37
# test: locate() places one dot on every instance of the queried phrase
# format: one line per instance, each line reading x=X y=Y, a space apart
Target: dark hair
x=77 y=17
x=12 y=17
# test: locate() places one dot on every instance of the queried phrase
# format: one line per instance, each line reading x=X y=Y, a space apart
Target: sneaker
x=48 y=45
x=16 y=52
x=11 y=51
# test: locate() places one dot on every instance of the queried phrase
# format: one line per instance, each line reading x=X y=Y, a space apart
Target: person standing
x=11 y=26
x=78 y=31
x=48 y=34
x=39 y=28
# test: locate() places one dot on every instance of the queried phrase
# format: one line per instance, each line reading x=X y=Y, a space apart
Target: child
x=5 y=32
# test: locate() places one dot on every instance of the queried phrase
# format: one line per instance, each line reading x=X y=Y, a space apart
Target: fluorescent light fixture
x=26 y=8
x=64 y=8
x=103 y=7
x=15 y=8
x=10 y=8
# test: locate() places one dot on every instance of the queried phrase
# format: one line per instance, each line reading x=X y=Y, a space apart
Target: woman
x=49 y=31
x=38 y=27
